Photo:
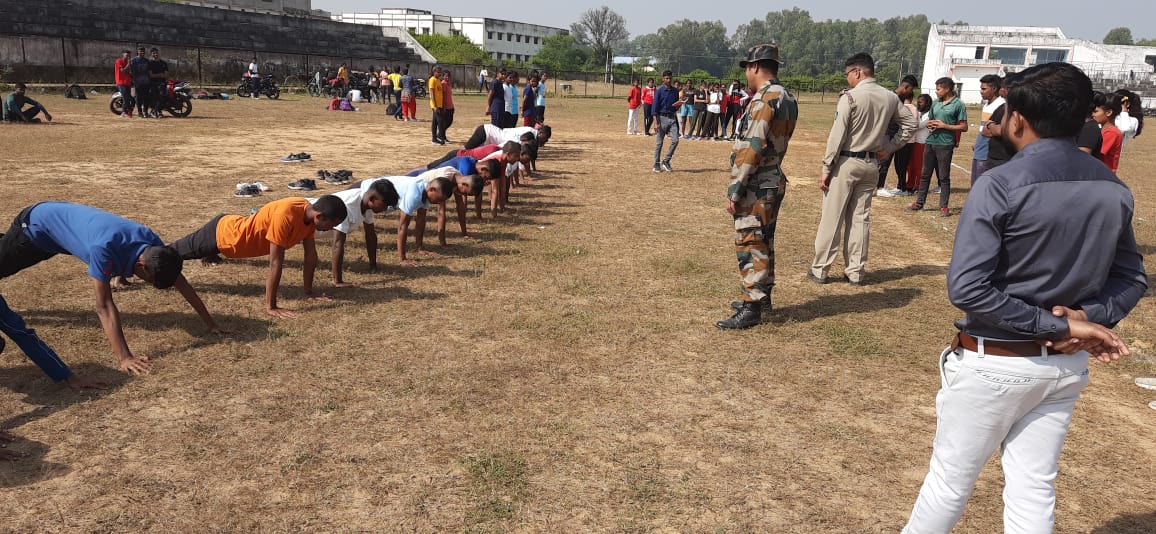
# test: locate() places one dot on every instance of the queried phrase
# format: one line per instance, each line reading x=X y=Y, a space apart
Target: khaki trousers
x=846 y=216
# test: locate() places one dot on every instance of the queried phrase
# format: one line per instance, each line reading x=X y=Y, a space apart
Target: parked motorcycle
x=269 y=87
x=176 y=99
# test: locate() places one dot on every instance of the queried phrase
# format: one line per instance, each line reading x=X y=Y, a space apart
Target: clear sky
x=1079 y=19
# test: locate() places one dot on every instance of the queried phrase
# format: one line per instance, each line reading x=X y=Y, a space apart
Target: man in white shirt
x=989 y=91
x=488 y=134
x=254 y=78
x=364 y=199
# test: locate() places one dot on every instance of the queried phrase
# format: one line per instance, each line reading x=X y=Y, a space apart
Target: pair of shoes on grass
x=246 y=189
x=340 y=177
x=296 y=158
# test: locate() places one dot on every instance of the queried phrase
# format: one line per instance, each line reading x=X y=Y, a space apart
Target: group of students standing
x=142 y=82
x=505 y=105
x=706 y=113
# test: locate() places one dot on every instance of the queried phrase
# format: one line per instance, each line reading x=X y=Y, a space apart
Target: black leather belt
x=862 y=155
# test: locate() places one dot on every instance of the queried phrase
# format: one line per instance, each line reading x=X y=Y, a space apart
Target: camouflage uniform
x=758 y=184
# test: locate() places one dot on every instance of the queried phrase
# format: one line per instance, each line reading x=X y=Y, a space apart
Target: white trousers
x=632 y=121
x=1022 y=405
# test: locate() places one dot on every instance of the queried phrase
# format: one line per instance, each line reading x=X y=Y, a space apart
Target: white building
x=503 y=40
x=967 y=53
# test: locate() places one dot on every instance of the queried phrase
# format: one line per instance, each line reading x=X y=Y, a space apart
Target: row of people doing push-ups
x=116 y=248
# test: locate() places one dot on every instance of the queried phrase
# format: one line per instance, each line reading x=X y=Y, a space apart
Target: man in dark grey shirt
x=1045 y=262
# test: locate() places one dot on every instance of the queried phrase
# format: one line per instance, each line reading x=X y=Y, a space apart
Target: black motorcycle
x=175 y=99
x=269 y=87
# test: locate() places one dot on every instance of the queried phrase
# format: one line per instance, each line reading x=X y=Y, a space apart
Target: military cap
x=764 y=52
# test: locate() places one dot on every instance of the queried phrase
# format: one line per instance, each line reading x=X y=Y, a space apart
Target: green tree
x=601 y=29
x=1118 y=36
x=688 y=45
x=453 y=49
x=1146 y=42
x=561 y=53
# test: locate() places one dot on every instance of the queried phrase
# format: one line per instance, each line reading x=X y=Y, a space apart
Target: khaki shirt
x=861 y=119
x=764 y=132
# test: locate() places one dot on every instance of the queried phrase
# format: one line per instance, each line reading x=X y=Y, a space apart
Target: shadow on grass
x=242 y=328
x=899 y=273
x=831 y=305
x=27 y=456
x=1140 y=523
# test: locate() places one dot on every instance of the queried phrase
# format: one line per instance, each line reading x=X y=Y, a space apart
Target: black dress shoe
x=748 y=315
x=815 y=279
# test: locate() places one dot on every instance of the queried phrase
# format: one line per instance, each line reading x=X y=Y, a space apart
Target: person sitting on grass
x=15 y=103
x=112 y=246
x=39 y=352
x=277 y=226
x=488 y=134
x=415 y=195
x=362 y=200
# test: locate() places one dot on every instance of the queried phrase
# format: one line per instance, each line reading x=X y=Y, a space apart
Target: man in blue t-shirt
x=141 y=83
x=112 y=246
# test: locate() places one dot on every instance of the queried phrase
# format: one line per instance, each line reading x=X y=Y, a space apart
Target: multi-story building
x=503 y=40
x=967 y=53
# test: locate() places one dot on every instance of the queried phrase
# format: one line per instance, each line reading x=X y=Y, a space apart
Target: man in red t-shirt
x=633 y=100
x=647 y=105
x=123 y=77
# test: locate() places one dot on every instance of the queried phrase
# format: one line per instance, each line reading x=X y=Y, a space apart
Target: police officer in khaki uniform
x=758 y=184
x=858 y=139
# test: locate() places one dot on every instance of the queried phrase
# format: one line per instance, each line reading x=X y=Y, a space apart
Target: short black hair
x=476 y=183
x=531 y=148
x=163 y=264
x=20 y=85
x=862 y=61
x=1108 y=102
x=442 y=185
x=331 y=207
x=946 y=82
x=666 y=73
x=512 y=147
x=154 y=49
x=493 y=167
x=910 y=80
x=544 y=134
x=1054 y=98
x=992 y=80
x=387 y=192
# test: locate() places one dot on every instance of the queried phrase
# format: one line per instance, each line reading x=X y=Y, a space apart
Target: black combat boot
x=749 y=314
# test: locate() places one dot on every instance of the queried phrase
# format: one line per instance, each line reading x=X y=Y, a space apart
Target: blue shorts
x=686 y=110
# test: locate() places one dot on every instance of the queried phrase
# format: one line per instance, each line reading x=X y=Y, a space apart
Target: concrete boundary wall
x=77 y=41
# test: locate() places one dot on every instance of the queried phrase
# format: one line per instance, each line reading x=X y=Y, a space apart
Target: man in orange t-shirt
x=123 y=76
x=277 y=226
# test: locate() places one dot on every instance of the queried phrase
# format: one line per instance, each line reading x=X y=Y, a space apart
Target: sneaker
x=904 y=193
x=242 y=185
x=885 y=193
x=304 y=184
x=1152 y=405
x=945 y=212
x=666 y=167
x=336 y=179
x=249 y=190
x=657 y=168
x=261 y=186
x=125 y=116
x=296 y=158
x=915 y=206
x=1146 y=382
x=934 y=191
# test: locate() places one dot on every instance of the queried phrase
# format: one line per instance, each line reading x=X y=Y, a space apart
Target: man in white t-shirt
x=354 y=95
x=375 y=195
x=989 y=91
x=254 y=78
x=482 y=79
x=488 y=134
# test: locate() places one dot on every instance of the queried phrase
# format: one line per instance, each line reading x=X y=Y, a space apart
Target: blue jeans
x=36 y=349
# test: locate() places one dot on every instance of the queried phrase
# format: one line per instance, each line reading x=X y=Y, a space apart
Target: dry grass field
x=559 y=374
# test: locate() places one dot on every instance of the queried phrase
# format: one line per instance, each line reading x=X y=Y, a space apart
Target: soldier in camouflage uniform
x=758 y=184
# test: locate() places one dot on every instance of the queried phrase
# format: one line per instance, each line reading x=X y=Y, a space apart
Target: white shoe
x=1152 y=405
x=261 y=186
x=885 y=193
x=1146 y=382
x=242 y=185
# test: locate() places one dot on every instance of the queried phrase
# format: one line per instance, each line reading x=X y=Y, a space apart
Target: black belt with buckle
x=863 y=155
